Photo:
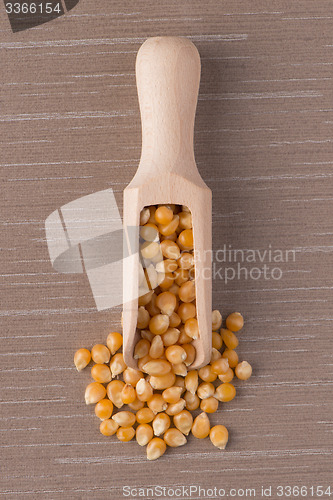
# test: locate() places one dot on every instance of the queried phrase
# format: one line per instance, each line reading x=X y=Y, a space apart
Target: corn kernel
x=175 y=354
x=215 y=355
x=125 y=434
x=206 y=374
x=209 y=405
x=114 y=342
x=114 y=390
x=229 y=338
x=144 y=390
x=157 y=404
x=186 y=260
x=144 y=216
x=132 y=376
x=216 y=320
x=174 y=319
x=149 y=232
x=100 y=354
x=104 y=409
x=128 y=394
x=160 y=383
x=186 y=310
x=187 y=291
x=201 y=426
x=117 y=364
x=243 y=370
x=157 y=348
x=170 y=249
x=101 y=373
x=124 y=418
x=172 y=394
x=185 y=239
x=219 y=436
x=191 y=328
x=174 y=438
x=157 y=367
x=191 y=381
x=143 y=300
x=225 y=392
x=159 y=324
x=235 y=322
x=231 y=356
x=166 y=302
x=82 y=358
x=175 y=408
x=192 y=401
x=136 y=405
x=141 y=349
x=94 y=393
x=170 y=227
x=190 y=353
x=185 y=220
x=143 y=318
x=183 y=421
x=108 y=427
x=171 y=336
x=220 y=366
x=216 y=341
x=205 y=390
x=228 y=376
x=161 y=423
x=144 y=433
x=155 y=448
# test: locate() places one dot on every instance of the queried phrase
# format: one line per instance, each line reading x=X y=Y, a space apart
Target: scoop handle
x=168 y=77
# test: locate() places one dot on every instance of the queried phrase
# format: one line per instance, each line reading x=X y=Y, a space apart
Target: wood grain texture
x=70 y=126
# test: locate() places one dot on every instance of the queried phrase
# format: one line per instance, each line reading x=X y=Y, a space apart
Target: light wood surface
x=168 y=77
x=70 y=126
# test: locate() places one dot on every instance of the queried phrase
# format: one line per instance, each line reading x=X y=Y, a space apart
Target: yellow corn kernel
x=206 y=374
x=220 y=366
x=190 y=354
x=163 y=215
x=161 y=423
x=170 y=249
x=183 y=421
x=231 y=356
x=159 y=324
x=216 y=340
x=152 y=210
x=143 y=434
x=216 y=320
x=100 y=354
x=181 y=276
x=186 y=260
x=191 y=381
x=94 y=393
x=149 y=232
x=243 y=370
x=128 y=394
x=229 y=338
x=185 y=220
x=174 y=438
x=201 y=426
x=155 y=448
x=172 y=394
x=175 y=408
x=157 y=367
x=166 y=302
x=114 y=342
x=157 y=404
x=180 y=369
x=209 y=405
x=143 y=300
x=228 y=376
x=141 y=349
x=114 y=390
x=82 y=358
x=219 y=436
x=125 y=434
x=215 y=355
x=180 y=382
x=174 y=319
x=167 y=229
x=187 y=291
x=144 y=216
x=162 y=382
x=152 y=307
x=145 y=415
x=144 y=390
x=108 y=427
x=157 y=348
x=185 y=239
x=183 y=338
x=132 y=376
x=166 y=266
x=186 y=311
x=104 y=409
x=175 y=354
x=165 y=280
x=192 y=401
x=149 y=249
x=147 y=335
x=191 y=328
x=143 y=318
x=235 y=322
x=225 y=392
x=171 y=336
x=117 y=364
x=136 y=405
x=124 y=418
x=143 y=361
x=205 y=390
x=101 y=373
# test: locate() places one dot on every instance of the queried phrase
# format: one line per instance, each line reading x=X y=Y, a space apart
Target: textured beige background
x=70 y=126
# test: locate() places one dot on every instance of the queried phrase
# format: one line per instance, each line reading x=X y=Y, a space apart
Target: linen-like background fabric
x=70 y=126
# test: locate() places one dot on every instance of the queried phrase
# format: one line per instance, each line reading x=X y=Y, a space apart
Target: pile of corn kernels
x=162 y=394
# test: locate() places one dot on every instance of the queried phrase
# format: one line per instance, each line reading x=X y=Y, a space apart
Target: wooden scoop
x=168 y=76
